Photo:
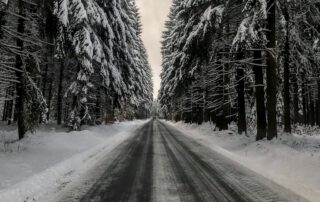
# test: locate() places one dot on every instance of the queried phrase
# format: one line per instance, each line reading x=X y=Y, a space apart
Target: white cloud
x=153 y=16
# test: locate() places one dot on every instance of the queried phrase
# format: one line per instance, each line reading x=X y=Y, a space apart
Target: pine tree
x=94 y=47
x=108 y=47
x=251 y=36
x=271 y=71
x=195 y=43
x=29 y=104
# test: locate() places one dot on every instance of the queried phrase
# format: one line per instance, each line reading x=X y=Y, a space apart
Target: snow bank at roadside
x=51 y=158
x=292 y=160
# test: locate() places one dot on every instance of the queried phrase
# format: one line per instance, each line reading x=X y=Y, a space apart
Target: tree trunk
x=304 y=101
x=318 y=104
x=98 y=108
x=50 y=97
x=3 y=7
x=220 y=113
x=20 y=87
x=308 y=120
x=60 y=93
x=44 y=80
x=296 y=116
x=271 y=72
x=242 y=123
x=10 y=106
x=286 y=78
x=260 y=99
x=312 y=111
x=5 y=107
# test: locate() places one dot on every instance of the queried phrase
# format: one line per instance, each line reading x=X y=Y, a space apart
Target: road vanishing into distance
x=159 y=163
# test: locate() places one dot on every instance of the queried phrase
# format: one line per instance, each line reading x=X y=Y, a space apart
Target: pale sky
x=153 y=15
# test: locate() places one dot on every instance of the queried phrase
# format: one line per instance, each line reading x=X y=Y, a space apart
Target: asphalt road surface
x=158 y=163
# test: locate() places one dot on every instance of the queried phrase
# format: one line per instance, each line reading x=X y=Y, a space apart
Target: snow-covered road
x=159 y=163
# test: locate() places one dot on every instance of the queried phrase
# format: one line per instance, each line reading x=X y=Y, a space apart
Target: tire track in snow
x=126 y=176
x=220 y=177
x=161 y=164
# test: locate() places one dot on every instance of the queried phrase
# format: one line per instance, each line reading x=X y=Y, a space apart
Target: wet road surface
x=158 y=163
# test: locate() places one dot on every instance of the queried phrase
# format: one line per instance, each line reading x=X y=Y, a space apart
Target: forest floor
x=292 y=160
x=49 y=157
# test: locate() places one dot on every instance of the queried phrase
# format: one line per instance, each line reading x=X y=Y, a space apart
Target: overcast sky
x=154 y=13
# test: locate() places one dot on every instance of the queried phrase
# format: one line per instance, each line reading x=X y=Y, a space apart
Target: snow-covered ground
x=51 y=157
x=291 y=160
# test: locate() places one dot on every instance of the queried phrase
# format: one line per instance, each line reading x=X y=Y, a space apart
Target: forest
x=72 y=62
x=252 y=62
x=236 y=117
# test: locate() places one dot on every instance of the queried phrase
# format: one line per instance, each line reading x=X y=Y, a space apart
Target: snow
x=292 y=161
x=50 y=158
x=316 y=43
x=216 y=12
x=4 y=1
x=246 y=33
x=104 y=38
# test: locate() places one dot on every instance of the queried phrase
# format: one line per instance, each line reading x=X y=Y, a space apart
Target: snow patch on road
x=49 y=159
x=292 y=161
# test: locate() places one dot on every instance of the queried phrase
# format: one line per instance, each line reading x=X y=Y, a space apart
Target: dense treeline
x=255 y=62
x=72 y=61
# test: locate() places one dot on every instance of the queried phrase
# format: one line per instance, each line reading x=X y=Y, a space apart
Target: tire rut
x=205 y=187
x=129 y=177
x=186 y=171
x=221 y=175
